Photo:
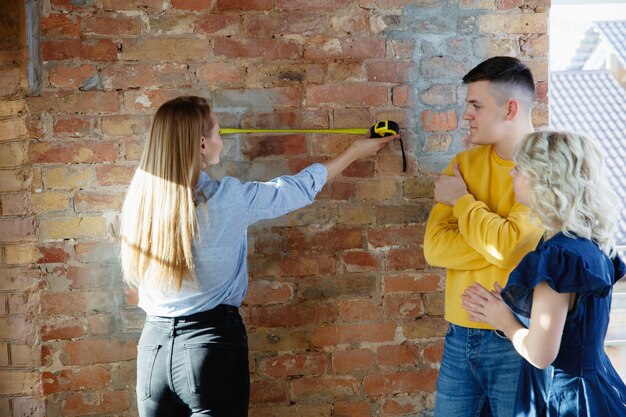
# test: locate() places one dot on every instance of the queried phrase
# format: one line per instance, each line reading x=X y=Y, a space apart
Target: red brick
x=335 y=335
x=85 y=102
x=408 y=213
x=434 y=121
x=17 y=279
x=17 y=229
x=358 y=310
x=401 y=48
x=268 y=145
x=350 y=409
x=402 y=405
x=53 y=253
x=63 y=329
x=91 y=276
x=399 y=355
x=268 y=292
x=318 y=5
x=76 y=302
x=218 y=24
x=191 y=4
x=164 y=49
x=96 y=251
x=114 y=24
x=326 y=49
x=409 y=258
x=413 y=282
x=433 y=352
x=18 y=329
x=360 y=169
x=302 y=265
x=333 y=286
x=404 y=306
x=287 y=23
x=293 y=365
x=400 y=382
x=332 y=240
x=47 y=152
x=96 y=403
x=15 y=204
x=99 y=50
x=100 y=323
x=132 y=297
x=258 y=5
x=293 y=315
x=268 y=49
x=67 y=77
x=91 y=351
x=323 y=388
x=425 y=327
x=60 y=25
x=337 y=190
x=85 y=378
x=11 y=82
x=108 y=175
x=508 y=4
x=28 y=407
x=349 y=361
x=143 y=5
x=87 y=201
x=395 y=236
x=402 y=96
x=347 y=95
x=221 y=74
x=72 y=126
x=170 y=75
x=390 y=72
x=59 y=50
x=268 y=391
x=361 y=261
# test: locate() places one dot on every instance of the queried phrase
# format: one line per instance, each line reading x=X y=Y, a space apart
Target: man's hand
x=449 y=188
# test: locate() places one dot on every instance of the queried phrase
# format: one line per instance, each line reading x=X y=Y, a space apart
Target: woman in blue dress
x=555 y=306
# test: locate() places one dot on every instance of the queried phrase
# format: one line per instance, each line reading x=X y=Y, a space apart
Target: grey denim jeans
x=193 y=366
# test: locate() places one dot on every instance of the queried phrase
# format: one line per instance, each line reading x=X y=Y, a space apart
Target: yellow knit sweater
x=484 y=236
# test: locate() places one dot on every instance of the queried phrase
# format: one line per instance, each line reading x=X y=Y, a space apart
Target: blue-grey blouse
x=225 y=209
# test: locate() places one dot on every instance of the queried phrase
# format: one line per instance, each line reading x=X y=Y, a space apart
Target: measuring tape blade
x=347 y=131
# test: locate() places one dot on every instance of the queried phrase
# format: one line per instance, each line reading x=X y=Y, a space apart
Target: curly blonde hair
x=568 y=187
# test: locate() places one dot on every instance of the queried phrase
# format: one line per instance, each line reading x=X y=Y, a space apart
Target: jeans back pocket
x=146 y=359
x=209 y=368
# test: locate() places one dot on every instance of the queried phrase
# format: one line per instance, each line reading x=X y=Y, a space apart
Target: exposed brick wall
x=20 y=393
x=344 y=316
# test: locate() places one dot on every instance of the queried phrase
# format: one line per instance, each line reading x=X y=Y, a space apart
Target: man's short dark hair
x=505 y=71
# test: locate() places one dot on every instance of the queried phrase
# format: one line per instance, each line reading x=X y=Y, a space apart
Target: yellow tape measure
x=379 y=130
x=348 y=131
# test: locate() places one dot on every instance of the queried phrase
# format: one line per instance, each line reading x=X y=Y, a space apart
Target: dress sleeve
x=620 y=268
x=563 y=270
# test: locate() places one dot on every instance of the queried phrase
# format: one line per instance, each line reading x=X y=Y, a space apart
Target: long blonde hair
x=569 y=189
x=158 y=222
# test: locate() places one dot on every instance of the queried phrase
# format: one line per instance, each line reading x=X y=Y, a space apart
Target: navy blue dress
x=581 y=381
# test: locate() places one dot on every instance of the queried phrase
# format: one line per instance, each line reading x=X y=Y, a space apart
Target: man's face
x=486 y=117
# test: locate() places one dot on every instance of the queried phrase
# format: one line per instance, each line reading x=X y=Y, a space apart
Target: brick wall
x=344 y=315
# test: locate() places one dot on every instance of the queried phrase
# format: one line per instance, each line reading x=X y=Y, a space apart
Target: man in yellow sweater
x=479 y=232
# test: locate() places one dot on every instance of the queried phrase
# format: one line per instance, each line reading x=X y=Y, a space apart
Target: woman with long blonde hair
x=555 y=306
x=184 y=245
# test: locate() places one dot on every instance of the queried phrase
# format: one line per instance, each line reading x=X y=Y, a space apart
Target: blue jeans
x=480 y=369
x=194 y=366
